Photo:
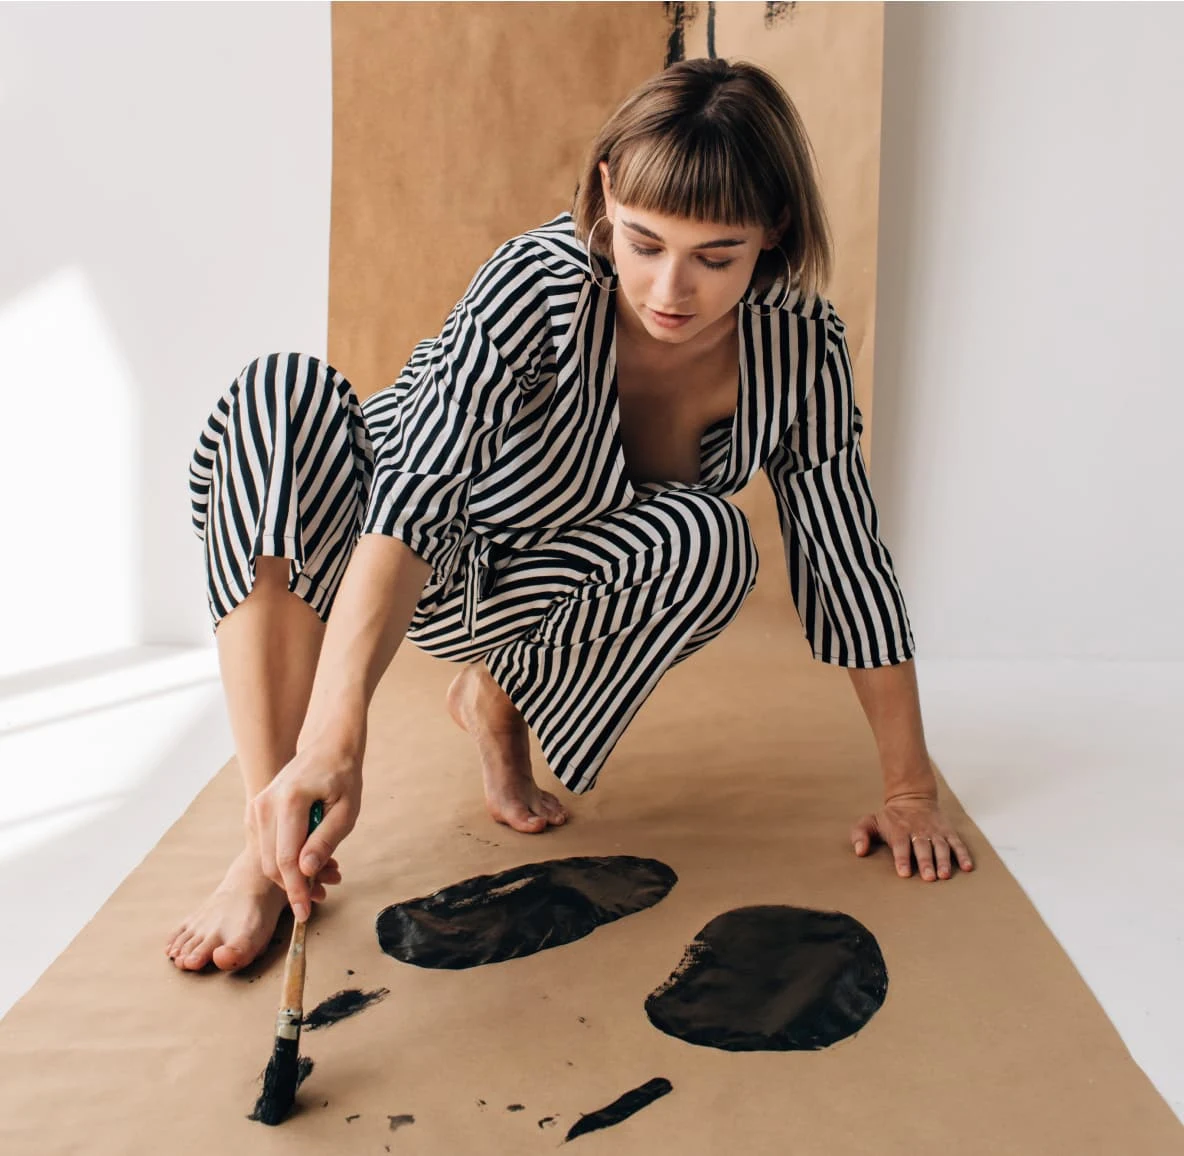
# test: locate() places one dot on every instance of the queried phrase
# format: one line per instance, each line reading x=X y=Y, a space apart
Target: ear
x=773 y=236
x=606 y=188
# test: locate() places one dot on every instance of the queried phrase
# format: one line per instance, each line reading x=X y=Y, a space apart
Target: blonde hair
x=718 y=141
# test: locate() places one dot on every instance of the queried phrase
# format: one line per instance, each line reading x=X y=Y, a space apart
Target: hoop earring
x=592 y=272
x=769 y=310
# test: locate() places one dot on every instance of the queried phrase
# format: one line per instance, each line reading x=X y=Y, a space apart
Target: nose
x=672 y=290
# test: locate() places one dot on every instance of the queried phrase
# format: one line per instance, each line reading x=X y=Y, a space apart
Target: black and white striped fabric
x=496 y=457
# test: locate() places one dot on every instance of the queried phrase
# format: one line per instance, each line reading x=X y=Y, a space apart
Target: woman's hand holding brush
x=277 y=821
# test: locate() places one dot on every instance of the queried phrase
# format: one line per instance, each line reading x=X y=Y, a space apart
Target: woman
x=541 y=496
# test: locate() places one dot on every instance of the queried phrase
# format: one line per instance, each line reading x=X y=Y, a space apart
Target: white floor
x=1072 y=770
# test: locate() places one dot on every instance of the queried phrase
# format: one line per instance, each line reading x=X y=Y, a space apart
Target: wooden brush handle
x=293 y=997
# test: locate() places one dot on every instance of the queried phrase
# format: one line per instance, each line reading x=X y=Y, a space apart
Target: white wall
x=164 y=217
x=1029 y=397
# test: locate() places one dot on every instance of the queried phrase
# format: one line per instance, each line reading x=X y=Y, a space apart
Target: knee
x=712 y=538
x=286 y=375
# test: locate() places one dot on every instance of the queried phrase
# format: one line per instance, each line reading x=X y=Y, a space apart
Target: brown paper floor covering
x=743 y=772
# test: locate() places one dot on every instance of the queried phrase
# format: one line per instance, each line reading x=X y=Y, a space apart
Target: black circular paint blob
x=773 y=979
x=492 y=918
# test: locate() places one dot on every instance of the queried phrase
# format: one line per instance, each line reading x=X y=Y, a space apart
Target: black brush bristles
x=282 y=1076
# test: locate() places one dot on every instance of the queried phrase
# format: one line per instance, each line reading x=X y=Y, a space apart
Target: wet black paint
x=515 y=1107
x=355 y=1116
x=341 y=1006
x=492 y=918
x=547 y=1122
x=676 y=45
x=398 y=1122
x=303 y=1067
x=773 y=979
x=621 y=1108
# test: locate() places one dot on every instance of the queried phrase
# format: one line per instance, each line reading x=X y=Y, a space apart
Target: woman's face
x=680 y=276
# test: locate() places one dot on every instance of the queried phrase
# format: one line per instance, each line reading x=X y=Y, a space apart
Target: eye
x=652 y=252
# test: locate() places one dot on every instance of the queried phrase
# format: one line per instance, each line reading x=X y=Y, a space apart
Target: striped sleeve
x=455 y=400
x=840 y=573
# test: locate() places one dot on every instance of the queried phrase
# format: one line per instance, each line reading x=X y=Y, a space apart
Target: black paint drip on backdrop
x=340 y=1006
x=621 y=1108
x=773 y=979
x=676 y=47
x=492 y=918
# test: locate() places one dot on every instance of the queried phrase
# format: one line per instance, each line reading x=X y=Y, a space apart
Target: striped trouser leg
x=580 y=632
x=281 y=469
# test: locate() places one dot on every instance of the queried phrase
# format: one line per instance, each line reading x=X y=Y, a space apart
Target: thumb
x=319 y=846
x=863 y=833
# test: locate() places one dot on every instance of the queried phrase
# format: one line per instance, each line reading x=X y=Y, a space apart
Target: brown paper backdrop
x=744 y=771
x=435 y=165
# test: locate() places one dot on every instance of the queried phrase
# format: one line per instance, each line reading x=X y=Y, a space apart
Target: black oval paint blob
x=492 y=918
x=343 y=1004
x=773 y=979
x=621 y=1108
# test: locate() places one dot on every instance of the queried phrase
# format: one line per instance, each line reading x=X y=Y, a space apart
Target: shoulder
x=532 y=272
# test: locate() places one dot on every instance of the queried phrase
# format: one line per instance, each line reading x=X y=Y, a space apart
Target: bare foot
x=478 y=705
x=237 y=921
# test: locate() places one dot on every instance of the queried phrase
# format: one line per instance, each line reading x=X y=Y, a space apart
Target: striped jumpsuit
x=496 y=457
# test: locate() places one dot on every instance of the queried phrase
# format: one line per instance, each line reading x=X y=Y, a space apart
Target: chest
x=664 y=411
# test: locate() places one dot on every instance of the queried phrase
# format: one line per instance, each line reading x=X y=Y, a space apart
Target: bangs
x=698 y=173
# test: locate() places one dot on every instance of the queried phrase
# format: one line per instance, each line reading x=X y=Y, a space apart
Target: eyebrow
x=726 y=243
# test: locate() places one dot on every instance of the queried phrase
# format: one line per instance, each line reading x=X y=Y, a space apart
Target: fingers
x=902 y=853
x=963 y=854
x=318 y=848
x=941 y=855
x=290 y=831
x=923 y=849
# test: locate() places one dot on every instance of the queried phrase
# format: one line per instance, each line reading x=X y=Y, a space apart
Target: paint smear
x=776 y=12
x=676 y=49
x=303 y=1067
x=492 y=918
x=773 y=979
x=341 y=1006
x=398 y=1122
x=621 y=1108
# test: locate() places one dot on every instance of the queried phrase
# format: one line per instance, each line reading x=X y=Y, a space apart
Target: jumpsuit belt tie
x=478 y=583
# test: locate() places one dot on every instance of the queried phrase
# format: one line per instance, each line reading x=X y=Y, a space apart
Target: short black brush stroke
x=621 y=1108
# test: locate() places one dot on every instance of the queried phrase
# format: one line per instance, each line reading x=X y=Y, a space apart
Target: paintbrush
x=283 y=1069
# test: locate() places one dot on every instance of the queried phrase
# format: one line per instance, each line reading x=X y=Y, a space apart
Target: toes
x=520 y=818
x=198 y=955
x=182 y=948
x=551 y=808
x=232 y=956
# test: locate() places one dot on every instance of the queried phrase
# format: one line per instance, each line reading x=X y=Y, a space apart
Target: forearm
x=889 y=697
x=374 y=606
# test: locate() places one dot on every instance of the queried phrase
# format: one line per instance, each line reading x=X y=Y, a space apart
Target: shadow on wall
x=141 y=278
x=908 y=38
